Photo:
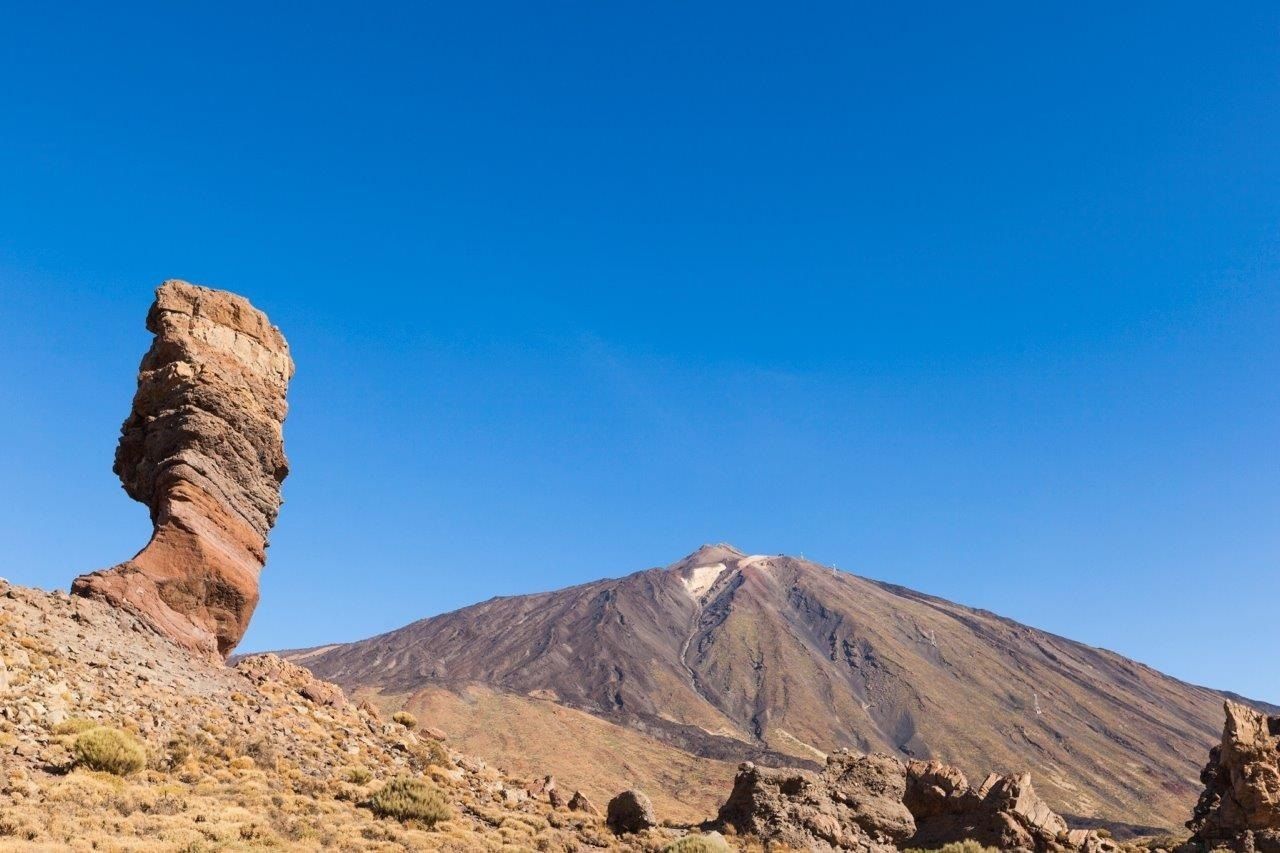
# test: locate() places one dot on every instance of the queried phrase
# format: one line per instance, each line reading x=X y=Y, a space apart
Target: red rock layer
x=203 y=448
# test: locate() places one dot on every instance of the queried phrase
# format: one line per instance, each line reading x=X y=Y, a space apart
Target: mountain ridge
x=730 y=656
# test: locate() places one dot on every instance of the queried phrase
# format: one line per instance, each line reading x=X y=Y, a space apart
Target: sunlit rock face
x=203 y=448
x=1240 y=806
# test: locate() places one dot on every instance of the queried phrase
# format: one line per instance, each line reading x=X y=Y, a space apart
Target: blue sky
x=980 y=299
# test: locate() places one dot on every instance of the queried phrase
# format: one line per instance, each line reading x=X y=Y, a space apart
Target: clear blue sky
x=980 y=299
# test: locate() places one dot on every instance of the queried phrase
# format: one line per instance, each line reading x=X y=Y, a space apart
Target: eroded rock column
x=1240 y=806
x=203 y=448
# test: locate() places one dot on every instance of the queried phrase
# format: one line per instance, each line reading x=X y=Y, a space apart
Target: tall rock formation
x=203 y=448
x=1240 y=806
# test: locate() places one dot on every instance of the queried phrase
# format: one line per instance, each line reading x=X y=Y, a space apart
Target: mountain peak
x=708 y=555
x=781 y=660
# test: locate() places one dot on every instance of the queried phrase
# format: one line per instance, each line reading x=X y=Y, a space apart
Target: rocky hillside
x=262 y=755
x=122 y=729
x=728 y=656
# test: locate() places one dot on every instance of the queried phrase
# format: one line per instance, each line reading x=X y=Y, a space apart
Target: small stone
x=579 y=802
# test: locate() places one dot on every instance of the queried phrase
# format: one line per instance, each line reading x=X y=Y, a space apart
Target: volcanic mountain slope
x=729 y=656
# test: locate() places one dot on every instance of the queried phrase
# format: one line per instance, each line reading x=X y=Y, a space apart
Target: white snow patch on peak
x=699 y=579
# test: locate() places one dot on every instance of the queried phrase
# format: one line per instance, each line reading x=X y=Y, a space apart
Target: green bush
x=410 y=799
x=109 y=751
x=698 y=844
x=405 y=719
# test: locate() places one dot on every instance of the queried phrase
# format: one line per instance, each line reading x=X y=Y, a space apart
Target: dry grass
x=956 y=847
x=236 y=761
x=698 y=844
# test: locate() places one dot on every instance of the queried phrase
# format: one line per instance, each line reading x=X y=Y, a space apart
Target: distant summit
x=725 y=656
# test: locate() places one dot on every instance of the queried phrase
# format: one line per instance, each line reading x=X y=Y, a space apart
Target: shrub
x=110 y=751
x=359 y=775
x=261 y=751
x=404 y=718
x=176 y=751
x=410 y=799
x=437 y=754
x=698 y=844
x=74 y=726
x=966 y=846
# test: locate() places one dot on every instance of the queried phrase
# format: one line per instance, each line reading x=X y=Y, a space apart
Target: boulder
x=580 y=802
x=1240 y=806
x=203 y=448
x=630 y=811
x=855 y=803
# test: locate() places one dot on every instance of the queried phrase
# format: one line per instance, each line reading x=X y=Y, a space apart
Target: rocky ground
x=264 y=755
x=257 y=755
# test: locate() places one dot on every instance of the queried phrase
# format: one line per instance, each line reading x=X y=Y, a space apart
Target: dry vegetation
x=115 y=740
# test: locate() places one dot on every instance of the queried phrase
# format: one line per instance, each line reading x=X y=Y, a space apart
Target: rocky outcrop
x=1004 y=812
x=203 y=448
x=855 y=803
x=1240 y=806
x=630 y=811
x=876 y=804
x=237 y=757
x=269 y=668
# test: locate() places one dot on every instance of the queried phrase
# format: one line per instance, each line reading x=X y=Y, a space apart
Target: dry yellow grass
x=236 y=759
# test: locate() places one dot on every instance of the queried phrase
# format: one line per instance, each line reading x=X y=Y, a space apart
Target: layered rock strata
x=203 y=448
